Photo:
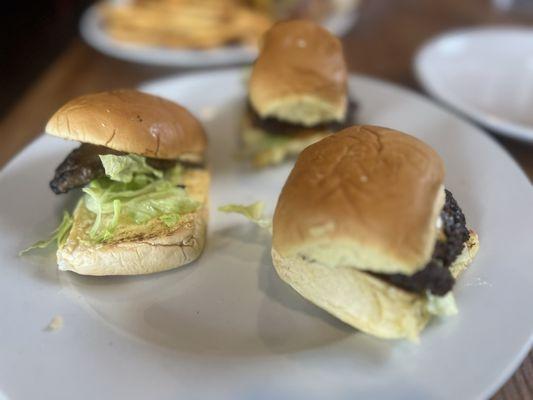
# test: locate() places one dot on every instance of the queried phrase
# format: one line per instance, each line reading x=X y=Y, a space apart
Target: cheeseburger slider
x=297 y=92
x=365 y=229
x=141 y=169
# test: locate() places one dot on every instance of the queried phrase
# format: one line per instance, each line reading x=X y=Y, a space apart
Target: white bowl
x=484 y=73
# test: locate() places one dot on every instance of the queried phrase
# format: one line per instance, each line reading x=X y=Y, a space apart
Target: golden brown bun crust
x=300 y=74
x=130 y=121
x=366 y=197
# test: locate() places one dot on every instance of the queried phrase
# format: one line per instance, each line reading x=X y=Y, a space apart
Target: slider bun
x=366 y=197
x=143 y=249
x=300 y=75
x=132 y=122
x=362 y=300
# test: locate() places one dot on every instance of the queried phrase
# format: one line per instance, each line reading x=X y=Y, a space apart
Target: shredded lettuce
x=59 y=235
x=170 y=219
x=253 y=212
x=122 y=168
x=136 y=193
x=131 y=192
x=175 y=175
x=443 y=306
x=107 y=233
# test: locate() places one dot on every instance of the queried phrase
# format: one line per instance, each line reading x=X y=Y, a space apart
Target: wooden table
x=381 y=44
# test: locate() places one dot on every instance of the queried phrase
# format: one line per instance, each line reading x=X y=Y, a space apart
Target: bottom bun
x=362 y=300
x=150 y=248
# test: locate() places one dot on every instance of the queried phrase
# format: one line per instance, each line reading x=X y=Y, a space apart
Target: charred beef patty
x=83 y=165
x=276 y=126
x=436 y=276
x=80 y=167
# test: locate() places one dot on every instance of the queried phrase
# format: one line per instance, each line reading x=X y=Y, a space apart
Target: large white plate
x=484 y=73
x=92 y=30
x=226 y=326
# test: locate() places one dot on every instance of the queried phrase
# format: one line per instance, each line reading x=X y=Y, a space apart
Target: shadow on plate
x=228 y=303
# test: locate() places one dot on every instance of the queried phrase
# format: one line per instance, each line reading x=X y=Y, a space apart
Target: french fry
x=199 y=24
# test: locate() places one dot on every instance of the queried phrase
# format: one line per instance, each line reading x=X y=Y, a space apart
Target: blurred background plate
x=92 y=29
x=485 y=74
x=226 y=326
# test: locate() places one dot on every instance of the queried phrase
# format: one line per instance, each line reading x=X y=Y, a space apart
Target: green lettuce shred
x=175 y=175
x=443 y=306
x=137 y=193
x=122 y=168
x=170 y=219
x=253 y=212
x=59 y=235
x=131 y=192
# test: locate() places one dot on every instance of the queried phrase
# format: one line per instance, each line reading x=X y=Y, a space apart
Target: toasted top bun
x=366 y=197
x=130 y=121
x=300 y=75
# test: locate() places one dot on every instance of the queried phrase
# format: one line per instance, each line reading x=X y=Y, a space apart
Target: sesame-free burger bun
x=132 y=122
x=328 y=210
x=300 y=75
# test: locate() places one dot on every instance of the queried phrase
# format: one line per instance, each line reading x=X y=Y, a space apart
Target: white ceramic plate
x=484 y=73
x=226 y=326
x=92 y=30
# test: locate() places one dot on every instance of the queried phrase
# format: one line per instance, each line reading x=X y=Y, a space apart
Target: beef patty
x=277 y=126
x=436 y=276
x=83 y=165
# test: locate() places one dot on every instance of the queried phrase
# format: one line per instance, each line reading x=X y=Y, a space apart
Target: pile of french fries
x=191 y=24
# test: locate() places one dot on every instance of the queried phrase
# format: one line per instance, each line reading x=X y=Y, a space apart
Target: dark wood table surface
x=381 y=44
